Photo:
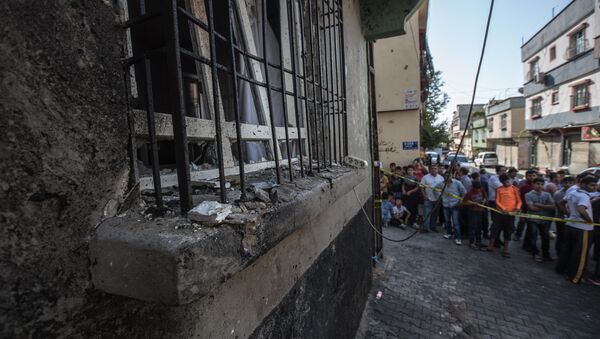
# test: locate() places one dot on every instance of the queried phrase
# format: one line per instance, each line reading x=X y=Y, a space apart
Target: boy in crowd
x=410 y=192
x=508 y=201
x=387 y=207
x=476 y=195
x=451 y=202
x=383 y=182
x=525 y=186
x=493 y=184
x=561 y=212
x=430 y=208
x=540 y=203
x=553 y=182
x=574 y=254
x=512 y=173
x=396 y=183
x=400 y=214
x=483 y=178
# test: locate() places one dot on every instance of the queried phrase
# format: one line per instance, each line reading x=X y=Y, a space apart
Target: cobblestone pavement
x=435 y=289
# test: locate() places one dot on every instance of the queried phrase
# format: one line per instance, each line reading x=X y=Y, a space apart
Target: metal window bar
x=283 y=94
x=314 y=83
x=307 y=123
x=332 y=105
x=320 y=72
x=291 y=10
x=325 y=79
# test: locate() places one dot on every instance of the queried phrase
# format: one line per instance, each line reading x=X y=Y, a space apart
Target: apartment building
x=561 y=67
x=120 y=118
x=506 y=133
x=459 y=124
x=399 y=84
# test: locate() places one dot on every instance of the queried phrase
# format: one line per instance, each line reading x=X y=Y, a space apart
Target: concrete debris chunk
x=209 y=213
x=253 y=205
x=242 y=219
x=264 y=185
x=262 y=195
x=209 y=183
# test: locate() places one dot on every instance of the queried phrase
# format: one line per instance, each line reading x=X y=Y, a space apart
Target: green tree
x=434 y=132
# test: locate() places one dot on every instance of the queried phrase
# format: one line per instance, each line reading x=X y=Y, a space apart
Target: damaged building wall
x=64 y=124
x=63 y=133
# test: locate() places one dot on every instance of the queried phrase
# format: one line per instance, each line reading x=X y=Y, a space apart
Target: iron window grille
x=235 y=85
x=577 y=44
x=580 y=99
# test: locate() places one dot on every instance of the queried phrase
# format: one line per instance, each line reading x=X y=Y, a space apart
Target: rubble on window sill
x=160 y=256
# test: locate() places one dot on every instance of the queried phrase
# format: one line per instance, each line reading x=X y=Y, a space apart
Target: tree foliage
x=434 y=133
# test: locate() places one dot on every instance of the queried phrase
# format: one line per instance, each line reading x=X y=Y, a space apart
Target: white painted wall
x=565 y=92
x=561 y=44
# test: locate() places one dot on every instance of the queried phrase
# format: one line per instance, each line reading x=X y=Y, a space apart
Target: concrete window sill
x=173 y=262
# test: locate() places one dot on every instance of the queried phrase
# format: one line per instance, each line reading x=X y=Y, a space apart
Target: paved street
x=435 y=289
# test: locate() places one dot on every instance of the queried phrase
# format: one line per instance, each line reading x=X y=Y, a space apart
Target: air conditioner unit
x=540 y=78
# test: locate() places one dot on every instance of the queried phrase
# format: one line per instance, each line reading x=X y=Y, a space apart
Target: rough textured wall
x=328 y=300
x=63 y=136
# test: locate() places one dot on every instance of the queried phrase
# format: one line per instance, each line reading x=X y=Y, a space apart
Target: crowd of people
x=481 y=207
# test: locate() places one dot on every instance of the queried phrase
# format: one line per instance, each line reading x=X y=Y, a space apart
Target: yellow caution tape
x=515 y=214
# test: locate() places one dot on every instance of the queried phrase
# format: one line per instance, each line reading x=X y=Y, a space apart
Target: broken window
x=274 y=66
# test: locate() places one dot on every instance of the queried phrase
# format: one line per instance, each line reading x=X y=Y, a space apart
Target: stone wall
x=64 y=136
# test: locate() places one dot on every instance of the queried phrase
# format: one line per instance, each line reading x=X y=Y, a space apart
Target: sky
x=455 y=34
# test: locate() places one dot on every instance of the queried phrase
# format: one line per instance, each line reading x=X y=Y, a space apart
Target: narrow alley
x=432 y=288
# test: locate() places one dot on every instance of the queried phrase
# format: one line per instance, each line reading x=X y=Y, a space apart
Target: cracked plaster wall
x=64 y=136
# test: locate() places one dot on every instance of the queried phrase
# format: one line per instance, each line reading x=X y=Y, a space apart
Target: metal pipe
x=331 y=120
x=236 y=109
x=306 y=99
x=178 y=106
x=318 y=33
x=152 y=133
x=337 y=81
x=269 y=98
x=215 y=89
x=343 y=66
x=284 y=100
x=294 y=49
x=314 y=84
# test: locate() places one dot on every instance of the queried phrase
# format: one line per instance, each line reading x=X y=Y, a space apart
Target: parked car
x=433 y=156
x=460 y=159
x=486 y=159
x=595 y=171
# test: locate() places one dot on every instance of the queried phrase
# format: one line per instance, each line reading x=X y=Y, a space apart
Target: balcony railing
x=576 y=48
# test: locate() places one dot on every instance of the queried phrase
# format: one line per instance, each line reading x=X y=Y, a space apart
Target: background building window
x=552 y=53
x=490 y=124
x=534 y=69
x=580 y=99
x=503 y=122
x=555 y=97
x=577 y=44
x=536 y=108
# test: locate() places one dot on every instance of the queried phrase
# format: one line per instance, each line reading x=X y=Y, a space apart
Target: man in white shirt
x=572 y=261
x=430 y=214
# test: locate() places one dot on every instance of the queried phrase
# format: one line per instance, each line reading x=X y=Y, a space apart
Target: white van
x=486 y=159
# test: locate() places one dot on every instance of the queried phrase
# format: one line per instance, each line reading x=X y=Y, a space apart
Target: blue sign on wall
x=410 y=145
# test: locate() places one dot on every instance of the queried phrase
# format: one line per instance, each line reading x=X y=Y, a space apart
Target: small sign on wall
x=410 y=145
x=411 y=99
